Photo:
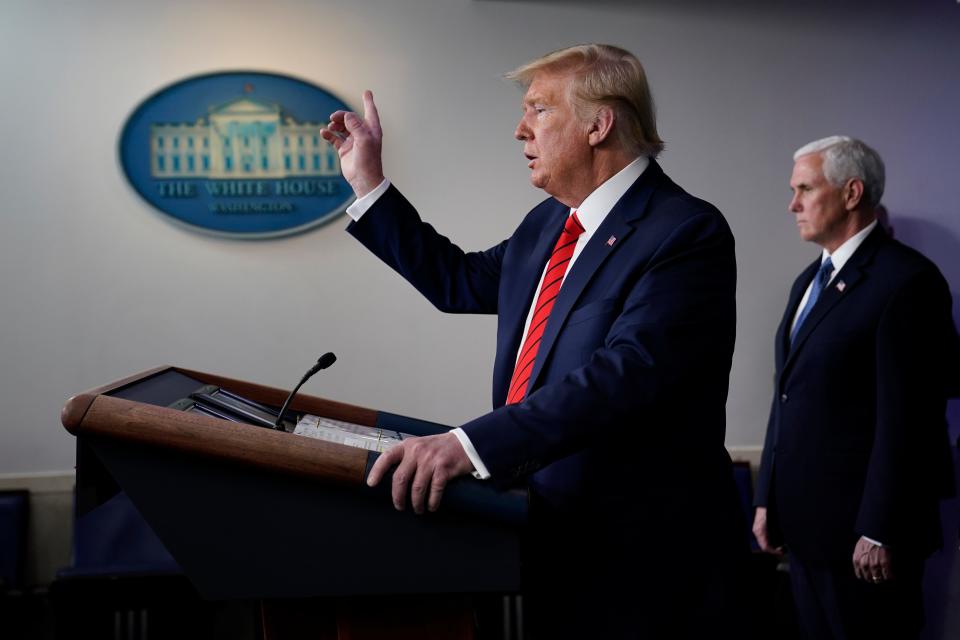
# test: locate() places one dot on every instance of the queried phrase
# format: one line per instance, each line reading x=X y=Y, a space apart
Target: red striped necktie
x=552 y=279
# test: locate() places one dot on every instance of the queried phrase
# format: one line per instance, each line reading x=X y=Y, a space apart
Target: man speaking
x=616 y=317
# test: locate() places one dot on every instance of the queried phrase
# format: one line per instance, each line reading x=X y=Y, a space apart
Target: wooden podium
x=253 y=513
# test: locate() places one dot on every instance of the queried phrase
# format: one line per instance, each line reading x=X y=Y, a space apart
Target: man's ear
x=602 y=126
x=852 y=194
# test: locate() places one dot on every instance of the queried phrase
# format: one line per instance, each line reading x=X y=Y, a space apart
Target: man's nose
x=794 y=206
x=522 y=132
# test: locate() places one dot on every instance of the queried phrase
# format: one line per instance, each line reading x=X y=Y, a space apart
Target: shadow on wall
x=939 y=243
x=942 y=578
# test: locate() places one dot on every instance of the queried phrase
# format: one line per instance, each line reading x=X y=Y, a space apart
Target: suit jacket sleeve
x=453 y=280
x=906 y=473
x=765 y=473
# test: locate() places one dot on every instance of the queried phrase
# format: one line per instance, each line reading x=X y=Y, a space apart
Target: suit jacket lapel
x=796 y=294
x=845 y=280
x=524 y=290
x=618 y=224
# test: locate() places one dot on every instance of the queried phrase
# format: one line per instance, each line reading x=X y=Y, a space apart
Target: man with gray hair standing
x=856 y=458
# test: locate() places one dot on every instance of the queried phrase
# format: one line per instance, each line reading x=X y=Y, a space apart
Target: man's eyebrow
x=532 y=99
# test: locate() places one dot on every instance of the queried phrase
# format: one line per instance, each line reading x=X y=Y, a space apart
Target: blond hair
x=603 y=74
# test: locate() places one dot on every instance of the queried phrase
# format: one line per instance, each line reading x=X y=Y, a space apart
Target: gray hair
x=603 y=74
x=845 y=158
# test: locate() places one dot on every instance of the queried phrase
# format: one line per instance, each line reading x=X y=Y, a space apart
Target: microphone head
x=326 y=360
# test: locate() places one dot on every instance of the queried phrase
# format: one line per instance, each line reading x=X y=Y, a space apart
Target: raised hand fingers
x=335 y=132
x=370 y=114
x=337 y=118
x=348 y=122
x=336 y=128
x=335 y=138
x=336 y=121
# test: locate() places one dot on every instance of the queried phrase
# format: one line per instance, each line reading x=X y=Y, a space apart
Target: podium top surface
x=135 y=410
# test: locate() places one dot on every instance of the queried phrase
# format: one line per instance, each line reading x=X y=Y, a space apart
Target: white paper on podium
x=348 y=433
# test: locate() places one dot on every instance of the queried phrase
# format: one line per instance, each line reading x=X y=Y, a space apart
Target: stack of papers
x=347 y=433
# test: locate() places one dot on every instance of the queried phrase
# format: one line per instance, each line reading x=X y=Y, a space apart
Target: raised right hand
x=358 y=143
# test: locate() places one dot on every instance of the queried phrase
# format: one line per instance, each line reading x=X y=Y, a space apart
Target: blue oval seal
x=237 y=154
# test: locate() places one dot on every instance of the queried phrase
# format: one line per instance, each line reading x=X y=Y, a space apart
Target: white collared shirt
x=591 y=213
x=839 y=258
x=361 y=205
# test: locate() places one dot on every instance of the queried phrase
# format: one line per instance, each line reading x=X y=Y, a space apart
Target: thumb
x=352 y=122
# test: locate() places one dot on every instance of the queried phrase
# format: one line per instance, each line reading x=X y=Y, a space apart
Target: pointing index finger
x=370 y=111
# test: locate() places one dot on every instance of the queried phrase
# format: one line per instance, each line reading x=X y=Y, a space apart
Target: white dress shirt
x=839 y=258
x=591 y=213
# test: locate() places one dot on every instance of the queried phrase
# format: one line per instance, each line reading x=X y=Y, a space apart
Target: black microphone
x=323 y=362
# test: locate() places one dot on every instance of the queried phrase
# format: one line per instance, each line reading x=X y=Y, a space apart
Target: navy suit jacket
x=857 y=443
x=625 y=412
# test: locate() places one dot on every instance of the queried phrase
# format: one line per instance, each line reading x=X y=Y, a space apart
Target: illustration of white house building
x=242 y=139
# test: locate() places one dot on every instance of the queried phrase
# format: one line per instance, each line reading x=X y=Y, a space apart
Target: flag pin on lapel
x=841 y=285
x=611 y=240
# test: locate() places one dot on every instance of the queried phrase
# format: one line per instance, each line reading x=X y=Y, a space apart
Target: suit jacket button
x=783 y=397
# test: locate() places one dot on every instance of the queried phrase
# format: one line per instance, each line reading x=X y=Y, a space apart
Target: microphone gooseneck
x=323 y=362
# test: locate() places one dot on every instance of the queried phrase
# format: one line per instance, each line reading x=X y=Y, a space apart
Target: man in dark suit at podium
x=615 y=304
x=856 y=458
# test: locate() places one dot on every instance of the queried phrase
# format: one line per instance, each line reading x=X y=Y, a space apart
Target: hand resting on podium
x=424 y=468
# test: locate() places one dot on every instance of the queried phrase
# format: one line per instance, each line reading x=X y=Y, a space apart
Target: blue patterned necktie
x=819 y=282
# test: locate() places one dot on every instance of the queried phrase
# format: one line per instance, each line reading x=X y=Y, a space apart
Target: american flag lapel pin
x=611 y=240
x=841 y=285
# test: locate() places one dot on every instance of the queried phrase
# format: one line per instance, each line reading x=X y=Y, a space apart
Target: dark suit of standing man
x=856 y=457
x=614 y=416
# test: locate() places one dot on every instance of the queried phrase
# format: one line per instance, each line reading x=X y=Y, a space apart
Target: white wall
x=95 y=285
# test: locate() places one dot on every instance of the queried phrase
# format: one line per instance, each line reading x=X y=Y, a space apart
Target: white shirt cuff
x=360 y=205
x=481 y=472
x=872 y=541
